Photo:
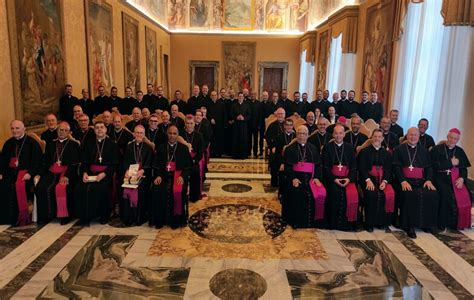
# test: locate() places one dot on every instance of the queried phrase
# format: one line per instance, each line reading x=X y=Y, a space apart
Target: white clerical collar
x=172 y=145
x=21 y=137
x=137 y=143
x=54 y=129
x=62 y=140
x=321 y=133
x=355 y=133
x=373 y=102
x=100 y=140
x=376 y=147
x=288 y=133
x=450 y=148
x=189 y=132
x=118 y=130
x=412 y=146
x=393 y=124
x=302 y=145
x=339 y=145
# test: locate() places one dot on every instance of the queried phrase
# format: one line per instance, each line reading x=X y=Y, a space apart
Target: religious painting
x=131 y=52
x=217 y=14
x=198 y=12
x=275 y=15
x=239 y=64
x=100 y=45
x=238 y=14
x=154 y=8
x=299 y=15
x=204 y=72
x=177 y=14
x=273 y=77
x=38 y=72
x=323 y=54
x=378 y=49
x=259 y=23
x=322 y=9
x=151 y=57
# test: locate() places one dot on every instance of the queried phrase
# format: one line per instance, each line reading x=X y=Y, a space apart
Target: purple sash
x=319 y=192
x=416 y=173
x=61 y=193
x=21 y=196
x=98 y=168
x=463 y=201
x=352 y=197
x=177 y=190
x=388 y=191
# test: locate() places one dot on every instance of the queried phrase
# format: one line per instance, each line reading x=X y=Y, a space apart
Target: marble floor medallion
x=237 y=223
x=238 y=284
x=96 y=273
x=237 y=188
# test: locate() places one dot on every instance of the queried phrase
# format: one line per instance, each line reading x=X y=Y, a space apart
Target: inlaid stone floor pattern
x=234 y=247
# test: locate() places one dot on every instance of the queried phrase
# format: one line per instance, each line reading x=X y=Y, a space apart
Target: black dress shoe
x=159 y=225
x=103 y=221
x=370 y=229
x=64 y=221
x=428 y=230
x=411 y=233
x=387 y=229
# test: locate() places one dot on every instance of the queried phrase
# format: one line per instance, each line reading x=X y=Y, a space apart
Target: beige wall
x=209 y=47
x=75 y=52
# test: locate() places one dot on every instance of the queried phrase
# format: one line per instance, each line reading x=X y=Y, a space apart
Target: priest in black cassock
x=195 y=102
x=271 y=134
x=394 y=127
x=419 y=199
x=51 y=132
x=426 y=140
x=66 y=103
x=99 y=161
x=175 y=118
x=57 y=178
x=101 y=102
x=320 y=137
x=195 y=141
x=84 y=133
x=340 y=171
x=121 y=136
x=303 y=203
x=203 y=126
x=282 y=140
x=22 y=158
x=178 y=100
x=171 y=166
x=311 y=122
x=137 y=119
x=354 y=136
x=450 y=165
x=375 y=173
x=217 y=115
x=390 y=139
x=153 y=133
x=134 y=202
x=348 y=106
x=239 y=115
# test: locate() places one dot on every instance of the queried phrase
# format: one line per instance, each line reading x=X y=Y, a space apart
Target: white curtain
x=431 y=70
x=334 y=65
x=306 y=76
x=341 y=67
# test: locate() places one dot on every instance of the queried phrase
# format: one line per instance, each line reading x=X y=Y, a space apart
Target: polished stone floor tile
x=459 y=244
x=96 y=272
x=12 y=237
x=238 y=167
x=378 y=275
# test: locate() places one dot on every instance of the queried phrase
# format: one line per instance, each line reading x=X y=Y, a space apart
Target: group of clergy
x=80 y=174
x=338 y=178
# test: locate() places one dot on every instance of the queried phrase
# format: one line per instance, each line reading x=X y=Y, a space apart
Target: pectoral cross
x=448 y=172
x=100 y=159
x=339 y=167
x=411 y=168
x=59 y=163
x=16 y=163
x=168 y=168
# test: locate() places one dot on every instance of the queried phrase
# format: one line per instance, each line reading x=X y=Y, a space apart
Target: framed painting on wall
x=131 y=55
x=238 y=14
x=100 y=48
x=239 y=65
x=37 y=52
x=378 y=50
x=273 y=77
x=151 y=57
x=204 y=72
x=322 y=60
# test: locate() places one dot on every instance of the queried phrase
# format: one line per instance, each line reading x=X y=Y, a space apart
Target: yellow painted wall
x=186 y=47
x=75 y=51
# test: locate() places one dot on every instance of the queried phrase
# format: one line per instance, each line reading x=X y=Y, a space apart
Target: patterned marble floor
x=235 y=247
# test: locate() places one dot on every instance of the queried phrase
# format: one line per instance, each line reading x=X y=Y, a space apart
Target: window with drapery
x=306 y=76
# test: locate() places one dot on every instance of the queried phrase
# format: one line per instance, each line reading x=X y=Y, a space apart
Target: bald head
x=338 y=133
x=17 y=128
x=280 y=114
x=302 y=134
x=413 y=136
